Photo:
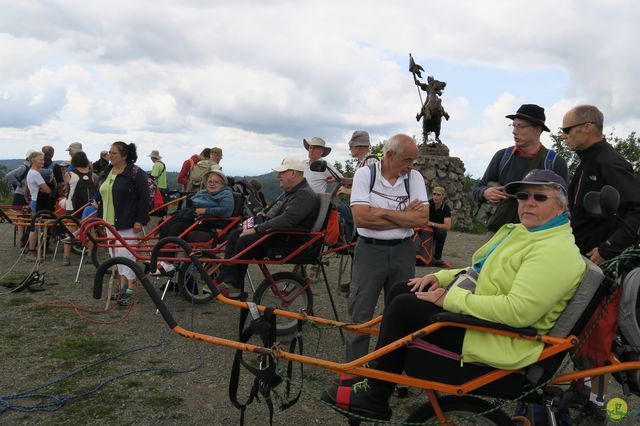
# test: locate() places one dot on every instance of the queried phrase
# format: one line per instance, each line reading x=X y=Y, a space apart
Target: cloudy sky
x=256 y=77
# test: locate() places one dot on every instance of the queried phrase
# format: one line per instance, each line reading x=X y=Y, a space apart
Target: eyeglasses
x=409 y=160
x=567 y=130
x=524 y=196
x=519 y=126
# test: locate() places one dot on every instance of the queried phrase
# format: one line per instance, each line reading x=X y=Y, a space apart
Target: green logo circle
x=616 y=409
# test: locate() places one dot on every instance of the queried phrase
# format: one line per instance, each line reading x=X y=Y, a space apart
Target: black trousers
x=173 y=228
x=404 y=313
x=234 y=274
x=439 y=237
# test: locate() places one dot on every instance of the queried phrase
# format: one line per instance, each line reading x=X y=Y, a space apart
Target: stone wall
x=438 y=169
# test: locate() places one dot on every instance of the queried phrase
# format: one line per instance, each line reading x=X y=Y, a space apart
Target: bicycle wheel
x=192 y=284
x=288 y=292
x=99 y=255
x=461 y=410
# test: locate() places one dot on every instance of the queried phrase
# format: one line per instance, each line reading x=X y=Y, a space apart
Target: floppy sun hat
x=316 y=141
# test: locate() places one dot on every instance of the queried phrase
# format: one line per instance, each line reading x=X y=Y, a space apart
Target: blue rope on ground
x=58 y=401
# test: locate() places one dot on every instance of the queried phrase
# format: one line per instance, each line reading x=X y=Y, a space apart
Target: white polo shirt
x=386 y=196
x=317 y=180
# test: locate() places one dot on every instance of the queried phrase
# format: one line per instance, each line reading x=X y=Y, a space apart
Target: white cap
x=290 y=163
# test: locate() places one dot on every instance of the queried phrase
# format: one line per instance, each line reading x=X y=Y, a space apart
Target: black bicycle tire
x=265 y=285
x=197 y=299
x=462 y=406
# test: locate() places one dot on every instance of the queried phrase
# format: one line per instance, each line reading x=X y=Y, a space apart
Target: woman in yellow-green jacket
x=527 y=273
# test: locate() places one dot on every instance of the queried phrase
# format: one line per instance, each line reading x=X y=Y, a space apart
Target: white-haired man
x=388 y=199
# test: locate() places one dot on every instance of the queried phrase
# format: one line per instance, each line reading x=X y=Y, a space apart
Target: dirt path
x=152 y=376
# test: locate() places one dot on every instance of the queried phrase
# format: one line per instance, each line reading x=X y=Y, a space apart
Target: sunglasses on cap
x=524 y=196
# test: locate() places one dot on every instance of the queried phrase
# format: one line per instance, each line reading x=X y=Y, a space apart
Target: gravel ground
x=151 y=376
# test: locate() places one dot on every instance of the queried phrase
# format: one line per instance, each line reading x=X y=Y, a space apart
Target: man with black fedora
x=514 y=162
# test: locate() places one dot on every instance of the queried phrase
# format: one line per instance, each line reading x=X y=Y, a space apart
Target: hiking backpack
x=155 y=197
x=85 y=189
x=21 y=179
x=252 y=198
x=197 y=174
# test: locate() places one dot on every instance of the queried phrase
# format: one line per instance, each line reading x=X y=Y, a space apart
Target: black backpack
x=85 y=189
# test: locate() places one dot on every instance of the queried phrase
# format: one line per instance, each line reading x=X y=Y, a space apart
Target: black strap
x=266 y=378
x=372 y=180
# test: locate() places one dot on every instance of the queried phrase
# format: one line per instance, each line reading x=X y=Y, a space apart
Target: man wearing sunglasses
x=599 y=239
x=600 y=164
x=513 y=163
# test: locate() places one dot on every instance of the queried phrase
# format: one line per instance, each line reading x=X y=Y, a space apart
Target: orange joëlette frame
x=553 y=345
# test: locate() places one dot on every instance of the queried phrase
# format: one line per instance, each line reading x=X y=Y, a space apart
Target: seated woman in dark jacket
x=216 y=199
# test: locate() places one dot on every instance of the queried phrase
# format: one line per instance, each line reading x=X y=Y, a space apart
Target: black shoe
x=436 y=262
x=591 y=415
x=576 y=396
x=366 y=398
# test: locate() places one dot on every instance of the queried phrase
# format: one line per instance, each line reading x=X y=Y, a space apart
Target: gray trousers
x=374 y=267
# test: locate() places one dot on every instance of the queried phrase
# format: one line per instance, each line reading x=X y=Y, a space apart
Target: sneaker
x=30 y=257
x=364 y=398
x=163 y=269
x=118 y=293
x=67 y=240
x=128 y=298
x=66 y=261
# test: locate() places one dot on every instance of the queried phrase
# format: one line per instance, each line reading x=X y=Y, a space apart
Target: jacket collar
x=593 y=151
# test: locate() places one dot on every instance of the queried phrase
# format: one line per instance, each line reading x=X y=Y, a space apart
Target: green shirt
x=106 y=192
x=159 y=173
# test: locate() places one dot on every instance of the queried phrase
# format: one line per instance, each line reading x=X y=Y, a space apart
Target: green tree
x=5 y=186
x=628 y=147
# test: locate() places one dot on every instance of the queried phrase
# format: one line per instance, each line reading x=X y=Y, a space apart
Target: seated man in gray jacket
x=297 y=207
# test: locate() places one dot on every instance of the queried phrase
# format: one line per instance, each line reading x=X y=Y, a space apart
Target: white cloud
x=265 y=75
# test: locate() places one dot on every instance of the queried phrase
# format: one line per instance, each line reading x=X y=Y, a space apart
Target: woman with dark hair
x=124 y=203
x=80 y=188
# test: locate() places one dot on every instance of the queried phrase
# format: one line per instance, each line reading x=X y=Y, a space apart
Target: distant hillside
x=11 y=164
